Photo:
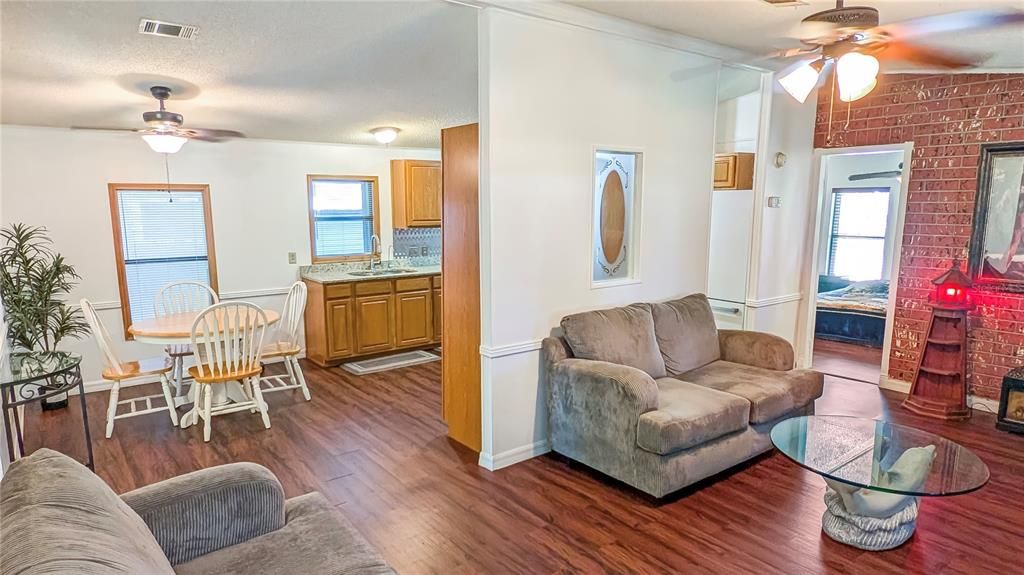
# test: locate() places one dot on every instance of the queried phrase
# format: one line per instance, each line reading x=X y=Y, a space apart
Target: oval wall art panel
x=615 y=201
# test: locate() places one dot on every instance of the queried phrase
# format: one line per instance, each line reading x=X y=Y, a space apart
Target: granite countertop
x=330 y=275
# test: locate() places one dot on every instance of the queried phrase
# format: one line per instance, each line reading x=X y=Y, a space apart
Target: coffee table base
x=868 y=533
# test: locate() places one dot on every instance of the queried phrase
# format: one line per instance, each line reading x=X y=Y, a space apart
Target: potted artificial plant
x=34 y=280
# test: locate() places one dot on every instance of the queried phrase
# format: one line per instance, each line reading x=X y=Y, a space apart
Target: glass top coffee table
x=876 y=471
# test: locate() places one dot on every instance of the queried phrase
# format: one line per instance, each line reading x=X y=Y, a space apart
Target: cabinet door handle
x=728 y=310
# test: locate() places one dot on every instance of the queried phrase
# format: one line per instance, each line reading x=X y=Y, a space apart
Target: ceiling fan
x=164 y=133
x=851 y=41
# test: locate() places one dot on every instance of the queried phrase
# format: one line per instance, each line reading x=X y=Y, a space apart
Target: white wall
x=549 y=94
x=783 y=231
x=738 y=119
x=58 y=178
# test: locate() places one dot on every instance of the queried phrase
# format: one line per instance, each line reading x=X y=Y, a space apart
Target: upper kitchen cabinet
x=416 y=193
x=734 y=171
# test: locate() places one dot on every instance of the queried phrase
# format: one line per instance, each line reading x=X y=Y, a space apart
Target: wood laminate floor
x=856 y=362
x=375 y=446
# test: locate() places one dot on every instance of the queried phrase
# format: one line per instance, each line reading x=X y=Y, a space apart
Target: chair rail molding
x=770 y=301
x=493 y=352
x=241 y=294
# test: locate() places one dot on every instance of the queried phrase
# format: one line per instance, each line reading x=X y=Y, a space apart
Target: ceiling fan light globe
x=385 y=135
x=164 y=143
x=857 y=75
x=800 y=82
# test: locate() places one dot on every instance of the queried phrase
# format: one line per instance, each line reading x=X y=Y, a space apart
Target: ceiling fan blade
x=926 y=56
x=874 y=175
x=790 y=53
x=209 y=135
x=952 y=22
x=101 y=129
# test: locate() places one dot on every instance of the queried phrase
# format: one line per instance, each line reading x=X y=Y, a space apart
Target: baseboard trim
x=770 y=301
x=492 y=352
x=513 y=456
x=99 y=385
x=980 y=403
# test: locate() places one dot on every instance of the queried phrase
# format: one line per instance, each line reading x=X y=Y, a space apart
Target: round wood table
x=176 y=328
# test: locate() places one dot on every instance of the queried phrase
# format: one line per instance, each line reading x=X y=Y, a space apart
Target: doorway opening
x=855 y=264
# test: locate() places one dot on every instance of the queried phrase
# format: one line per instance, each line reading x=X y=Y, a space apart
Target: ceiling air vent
x=781 y=3
x=167 y=29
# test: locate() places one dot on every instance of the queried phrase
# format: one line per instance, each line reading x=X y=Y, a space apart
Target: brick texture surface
x=947 y=117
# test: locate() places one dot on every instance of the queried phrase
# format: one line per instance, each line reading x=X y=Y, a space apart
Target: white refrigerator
x=732 y=219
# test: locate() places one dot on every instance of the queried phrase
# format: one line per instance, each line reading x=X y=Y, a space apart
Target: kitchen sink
x=383 y=272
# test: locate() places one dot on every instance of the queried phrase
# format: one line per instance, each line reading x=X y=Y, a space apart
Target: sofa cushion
x=686 y=333
x=622 y=335
x=771 y=394
x=59 y=517
x=689 y=415
x=314 y=539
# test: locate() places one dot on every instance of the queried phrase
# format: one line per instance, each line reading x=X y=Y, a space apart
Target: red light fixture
x=953 y=289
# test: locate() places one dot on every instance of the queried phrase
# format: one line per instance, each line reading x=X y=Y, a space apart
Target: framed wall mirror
x=997 y=239
x=615 y=214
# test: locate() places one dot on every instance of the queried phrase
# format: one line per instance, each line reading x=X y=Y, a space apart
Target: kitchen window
x=344 y=216
x=857 y=239
x=161 y=236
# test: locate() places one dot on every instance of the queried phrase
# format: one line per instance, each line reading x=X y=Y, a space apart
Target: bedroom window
x=857 y=238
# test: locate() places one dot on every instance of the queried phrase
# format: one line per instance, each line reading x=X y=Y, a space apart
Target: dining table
x=176 y=329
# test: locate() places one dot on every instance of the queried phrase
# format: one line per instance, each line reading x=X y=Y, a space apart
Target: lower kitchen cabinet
x=375 y=323
x=414 y=322
x=349 y=320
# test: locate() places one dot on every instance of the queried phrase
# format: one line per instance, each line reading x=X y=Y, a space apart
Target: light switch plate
x=291 y=258
x=774 y=201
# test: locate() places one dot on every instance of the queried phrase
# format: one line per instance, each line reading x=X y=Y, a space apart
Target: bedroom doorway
x=861 y=203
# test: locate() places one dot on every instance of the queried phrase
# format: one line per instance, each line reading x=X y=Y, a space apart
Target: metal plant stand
x=33 y=377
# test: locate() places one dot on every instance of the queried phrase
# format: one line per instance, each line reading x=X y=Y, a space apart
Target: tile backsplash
x=410 y=242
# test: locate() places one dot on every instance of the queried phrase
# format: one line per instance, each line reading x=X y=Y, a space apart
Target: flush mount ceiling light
x=385 y=135
x=164 y=143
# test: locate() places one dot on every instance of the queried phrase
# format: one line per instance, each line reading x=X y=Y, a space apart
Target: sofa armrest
x=630 y=388
x=757 y=349
x=206 y=510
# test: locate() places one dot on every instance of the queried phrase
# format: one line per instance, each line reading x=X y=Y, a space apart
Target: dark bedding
x=853 y=314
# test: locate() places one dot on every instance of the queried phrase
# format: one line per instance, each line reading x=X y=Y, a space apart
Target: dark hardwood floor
x=847 y=360
x=375 y=446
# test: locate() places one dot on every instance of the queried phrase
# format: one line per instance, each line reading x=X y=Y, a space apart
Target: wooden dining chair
x=182 y=297
x=116 y=371
x=227 y=339
x=285 y=344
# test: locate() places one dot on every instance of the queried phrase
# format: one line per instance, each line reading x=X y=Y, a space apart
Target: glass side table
x=27 y=377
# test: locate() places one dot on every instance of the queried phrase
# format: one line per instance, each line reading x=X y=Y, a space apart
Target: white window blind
x=342 y=212
x=163 y=240
x=857 y=239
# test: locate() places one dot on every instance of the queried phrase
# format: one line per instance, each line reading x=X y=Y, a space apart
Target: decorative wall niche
x=615 y=213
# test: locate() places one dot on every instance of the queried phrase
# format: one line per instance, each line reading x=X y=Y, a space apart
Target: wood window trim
x=115 y=220
x=375 y=192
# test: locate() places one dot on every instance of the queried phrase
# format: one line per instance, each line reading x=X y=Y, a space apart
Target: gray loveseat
x=656 y=396
x=58 y=517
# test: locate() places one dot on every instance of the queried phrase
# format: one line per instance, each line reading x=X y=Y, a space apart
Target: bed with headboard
x=851 y=312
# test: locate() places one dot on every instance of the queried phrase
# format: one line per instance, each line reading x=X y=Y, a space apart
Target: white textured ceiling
x=308 y=71
x=758 y=27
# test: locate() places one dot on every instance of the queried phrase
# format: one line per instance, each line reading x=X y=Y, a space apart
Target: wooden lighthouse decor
x=940 y=380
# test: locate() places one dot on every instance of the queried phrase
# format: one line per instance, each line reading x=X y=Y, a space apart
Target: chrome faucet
x=374 y=250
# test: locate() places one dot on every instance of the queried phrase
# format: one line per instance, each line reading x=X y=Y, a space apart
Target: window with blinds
x=160 y=237
x=860 y=219
x=343 y=216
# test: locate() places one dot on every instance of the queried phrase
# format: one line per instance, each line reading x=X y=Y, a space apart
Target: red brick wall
x=947 y=117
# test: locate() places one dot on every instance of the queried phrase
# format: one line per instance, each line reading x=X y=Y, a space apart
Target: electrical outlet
x=291 y=258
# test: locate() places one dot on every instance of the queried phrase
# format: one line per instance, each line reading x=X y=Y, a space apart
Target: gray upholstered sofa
x=58 y=517
x=656 y=396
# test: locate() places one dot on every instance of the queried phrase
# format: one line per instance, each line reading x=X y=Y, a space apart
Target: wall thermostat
x=780 y=159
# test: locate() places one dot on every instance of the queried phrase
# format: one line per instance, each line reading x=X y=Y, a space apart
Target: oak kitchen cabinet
x=362 y=318
x=416 y=193
x=734 y=171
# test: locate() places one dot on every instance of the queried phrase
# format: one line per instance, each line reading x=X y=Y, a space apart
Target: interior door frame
x=818 y=178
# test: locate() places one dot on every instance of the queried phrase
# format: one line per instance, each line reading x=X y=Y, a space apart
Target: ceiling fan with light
x=164 y=133
x=850 y=42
